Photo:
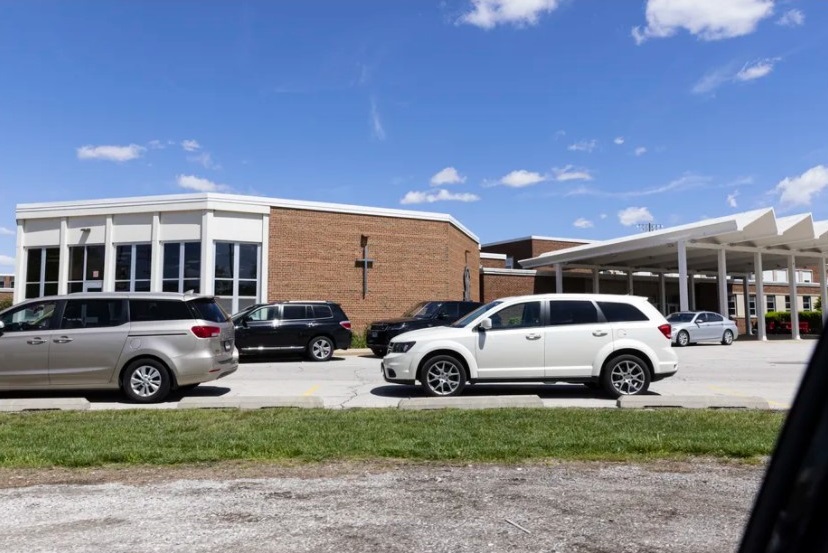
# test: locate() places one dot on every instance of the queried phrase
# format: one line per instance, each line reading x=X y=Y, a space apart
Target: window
x=182 y=267
x=714 y=318
x=449 y=311
x=86 y=268
x=237 y=275
x=29 y=317
x=731 y=305
x=133 y=263
x=805 y=276
x=322 y=312
x=752 y=305
x=208 y=310
x=521 y=315
x=770 y=304
x=787 y=303
x=158 y=310
x=806 y=303
x=510 y=262
x=572 y=313
x=621 y=312
x=294 y=312
x=42 y=266
x=93 y=314
x=264 y=314
x=702 y=318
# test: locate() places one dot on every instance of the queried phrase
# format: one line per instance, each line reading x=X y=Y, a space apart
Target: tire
x=146 y=381
x=320 y=348
x=625 y=375
x=727 y=338
x=378 y=352
x=682 y=339
x=443 y=376
x=592 y=385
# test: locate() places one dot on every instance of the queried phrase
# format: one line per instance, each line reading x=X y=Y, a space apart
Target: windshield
x=681 y=317
x=423 y=310
x=474 y=314
x=208 y=310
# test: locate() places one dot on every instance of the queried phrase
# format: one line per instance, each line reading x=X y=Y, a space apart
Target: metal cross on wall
x=366 y=263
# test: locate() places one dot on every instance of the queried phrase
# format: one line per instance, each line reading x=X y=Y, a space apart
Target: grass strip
x=72 y=439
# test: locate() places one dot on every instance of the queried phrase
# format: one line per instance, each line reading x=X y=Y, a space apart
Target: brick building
x=6 y=286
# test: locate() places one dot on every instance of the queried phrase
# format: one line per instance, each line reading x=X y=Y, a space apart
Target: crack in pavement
x=354 y=390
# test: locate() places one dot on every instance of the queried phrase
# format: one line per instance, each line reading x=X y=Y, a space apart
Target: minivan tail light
x=205 y=331
x=667 y=330
x=345 y=324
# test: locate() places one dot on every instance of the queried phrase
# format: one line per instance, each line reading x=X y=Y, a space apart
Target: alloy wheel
x=145 y=381
x=443 y=377
x=628 y=377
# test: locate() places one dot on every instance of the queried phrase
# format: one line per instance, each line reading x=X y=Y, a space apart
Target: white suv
x=621 y=343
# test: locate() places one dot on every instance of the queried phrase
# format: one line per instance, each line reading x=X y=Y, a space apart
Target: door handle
x=36 y=341
x=62 y=340
x=533 y=336
x=599 y=333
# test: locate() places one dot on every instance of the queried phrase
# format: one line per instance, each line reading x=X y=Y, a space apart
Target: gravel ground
x=377 y=507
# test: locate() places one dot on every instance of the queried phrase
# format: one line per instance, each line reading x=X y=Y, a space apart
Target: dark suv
x=422 y=315
x=316 y=328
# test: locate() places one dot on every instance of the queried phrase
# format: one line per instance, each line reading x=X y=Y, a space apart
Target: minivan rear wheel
x=146 y=381
x=625 y=375
x=443 y=376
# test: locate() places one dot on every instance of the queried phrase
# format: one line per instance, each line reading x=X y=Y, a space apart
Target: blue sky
x=550 y=117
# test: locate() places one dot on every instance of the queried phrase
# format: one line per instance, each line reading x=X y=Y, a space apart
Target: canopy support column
x=746 y=294
x=662 y=293
x=691 y=284
x=723 y=283
x=596 y=280
x=558 y=278
x=794 y=298
x=823 y=286
x=630 y=285
x=761 y=331
x=682 y=266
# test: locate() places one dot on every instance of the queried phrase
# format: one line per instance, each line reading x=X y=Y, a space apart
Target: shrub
x=358 y=340
x=774 y=319
x=5 y=303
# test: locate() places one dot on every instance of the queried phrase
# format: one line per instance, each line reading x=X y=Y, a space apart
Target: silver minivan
x=145 y=344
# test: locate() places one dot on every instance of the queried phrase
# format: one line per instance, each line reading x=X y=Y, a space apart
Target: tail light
x=345 y=324
x=667 y=330
x=206 y=331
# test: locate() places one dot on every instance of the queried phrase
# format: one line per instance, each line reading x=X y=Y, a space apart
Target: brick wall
x=525 y=249
x=493 y=263
x=313 y=256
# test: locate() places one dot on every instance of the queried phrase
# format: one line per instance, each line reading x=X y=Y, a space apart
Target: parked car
x=621 y=343
x=423 y=315
x=315 y=328
x=689 y=327
x=145 y=344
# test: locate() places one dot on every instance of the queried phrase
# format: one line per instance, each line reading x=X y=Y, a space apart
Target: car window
x=569 y=312
x=449 y=310
x=32 y=316
x=476 y=313
x=714 y=318
x=702 y=318
x=93 y=314
x=207 y=309
x=680 y=317
x=294 y=312
x=158 y=310
x=616 y=312
x=467 y=307
x=322 y=312
x=519 y=315
x=270 y=313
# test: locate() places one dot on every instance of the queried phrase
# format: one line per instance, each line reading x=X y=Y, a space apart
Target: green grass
x=290 y=435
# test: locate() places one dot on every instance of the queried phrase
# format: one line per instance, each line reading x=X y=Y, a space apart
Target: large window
x=237 y=275
x=86 y=268
x=787 y=303
x=752 y=305
x=182 y=267
x=806 y=303
x=731 y=305
x=42 y=269
x=770 y=303
x=133 y=264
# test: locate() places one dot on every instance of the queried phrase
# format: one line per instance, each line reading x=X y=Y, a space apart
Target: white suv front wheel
x=626 y=375
x=443 y=375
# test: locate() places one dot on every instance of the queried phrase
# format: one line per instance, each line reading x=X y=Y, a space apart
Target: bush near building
x=779 y=321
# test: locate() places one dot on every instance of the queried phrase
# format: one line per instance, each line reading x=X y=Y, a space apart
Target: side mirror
x=485 y=324
x=2 y=326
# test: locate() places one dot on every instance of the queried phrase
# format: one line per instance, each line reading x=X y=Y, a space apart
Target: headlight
x=397 y=327
x=401 y=347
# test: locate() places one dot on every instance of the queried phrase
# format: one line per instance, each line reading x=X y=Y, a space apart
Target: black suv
x=422 y=315
x=316 y=328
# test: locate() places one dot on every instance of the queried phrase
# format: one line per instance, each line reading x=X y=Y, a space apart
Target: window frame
x=132 y=263
x=807 y=303
x=180 y=279
x=41 y=282
x=542 y=318
x=70 y=283
x=235 y=278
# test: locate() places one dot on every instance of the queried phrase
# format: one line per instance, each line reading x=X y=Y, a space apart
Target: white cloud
x=559 y=134
x=415 y=197
x=570 y=173
x=705 y=19
x=792 y=18
x=603 y=216
x=619 y=140
x=640 y=151
x=449 y=175
x=487 y=14
x=156 y=145
x=6 y=232
x=583 y=146
x=6 y=261
x=191 y=182
x=582 y=223
x=712 y=80
x=802 y=189
x=205 y=160
x=731 y=199
x=376 y=122
x=756 y=70
x=111 y=153
x=521 y=178
x=190 y=145
x=635 y=215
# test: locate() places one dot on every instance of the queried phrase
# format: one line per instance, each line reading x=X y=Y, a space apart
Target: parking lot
x=771 y=370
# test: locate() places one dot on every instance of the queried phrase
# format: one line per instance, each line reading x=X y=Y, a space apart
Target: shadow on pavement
x=281 y=358
x=544 y=391
x=114 y=396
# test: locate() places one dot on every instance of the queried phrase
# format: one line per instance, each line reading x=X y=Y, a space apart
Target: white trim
x=507 y=272
x=216 y=202
x=20 y=267
x=499 y=256
x=544 y=238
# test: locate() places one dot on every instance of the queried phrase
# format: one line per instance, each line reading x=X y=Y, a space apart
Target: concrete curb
x=250 y=402
x=692 y=402
x=491 y=402
x=45 y=404
x=353 y=352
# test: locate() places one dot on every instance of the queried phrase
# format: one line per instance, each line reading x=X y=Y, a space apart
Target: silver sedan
x=701 y=326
